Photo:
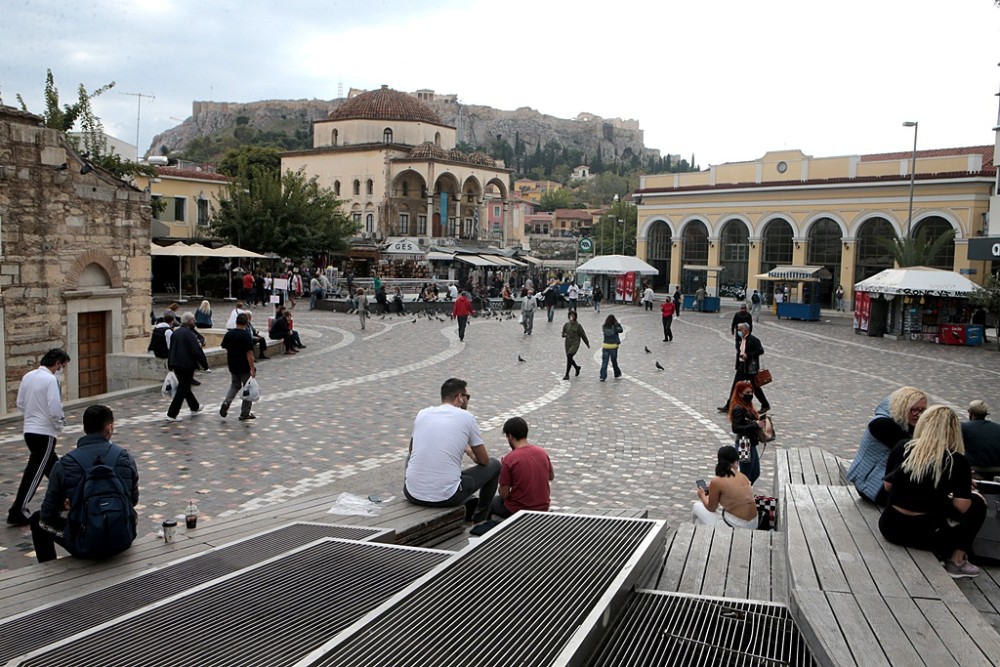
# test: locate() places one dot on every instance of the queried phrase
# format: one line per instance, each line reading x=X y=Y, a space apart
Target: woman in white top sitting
x=729 y=490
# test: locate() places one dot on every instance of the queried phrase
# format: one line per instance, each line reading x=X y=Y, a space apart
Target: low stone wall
x=126 y=371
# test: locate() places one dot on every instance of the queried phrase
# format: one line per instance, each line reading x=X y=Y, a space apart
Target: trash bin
x=974 y=334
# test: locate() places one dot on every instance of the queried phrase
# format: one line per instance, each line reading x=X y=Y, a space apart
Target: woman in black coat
x=746 y=422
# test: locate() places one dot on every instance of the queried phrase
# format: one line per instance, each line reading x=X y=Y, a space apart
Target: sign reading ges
x=405 y=246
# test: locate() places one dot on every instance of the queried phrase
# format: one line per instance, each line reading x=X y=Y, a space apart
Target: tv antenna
x=138 y=116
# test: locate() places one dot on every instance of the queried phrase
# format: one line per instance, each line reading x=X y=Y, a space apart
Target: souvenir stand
x=618 y=275
x=916 y=303
x=801 y=299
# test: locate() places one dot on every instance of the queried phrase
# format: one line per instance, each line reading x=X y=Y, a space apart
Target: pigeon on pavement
x=520 y=359
x=658 y=366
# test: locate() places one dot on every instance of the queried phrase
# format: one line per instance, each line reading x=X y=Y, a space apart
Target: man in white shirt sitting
x=442 y=435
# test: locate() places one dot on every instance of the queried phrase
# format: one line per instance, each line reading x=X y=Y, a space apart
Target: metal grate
x=659 y=628
x=269 y=615
x=528 y=594
x=27 y=632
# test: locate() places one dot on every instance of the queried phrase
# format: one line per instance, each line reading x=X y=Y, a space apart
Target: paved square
x=337 y=416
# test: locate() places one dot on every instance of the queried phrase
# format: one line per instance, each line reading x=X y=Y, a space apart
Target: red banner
x=862 y=310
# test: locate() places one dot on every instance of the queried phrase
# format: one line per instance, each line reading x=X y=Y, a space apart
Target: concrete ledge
x=127 y=371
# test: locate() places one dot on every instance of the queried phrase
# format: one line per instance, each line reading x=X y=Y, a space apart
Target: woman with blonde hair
x=203 y=316
x=894 y=421
x=931 y=504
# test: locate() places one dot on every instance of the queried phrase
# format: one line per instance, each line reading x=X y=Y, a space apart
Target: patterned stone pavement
x=337 y=416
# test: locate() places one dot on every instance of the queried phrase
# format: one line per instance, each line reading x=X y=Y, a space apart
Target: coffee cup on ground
x=169 y=530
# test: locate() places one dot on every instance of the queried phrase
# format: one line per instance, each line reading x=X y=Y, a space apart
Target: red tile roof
x=985 y=151
x=385 y=104
x=192 y=173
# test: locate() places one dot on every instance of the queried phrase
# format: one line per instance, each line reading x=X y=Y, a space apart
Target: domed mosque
x=394 y=163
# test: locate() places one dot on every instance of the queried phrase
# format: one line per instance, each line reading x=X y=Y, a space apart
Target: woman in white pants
x=730 y=491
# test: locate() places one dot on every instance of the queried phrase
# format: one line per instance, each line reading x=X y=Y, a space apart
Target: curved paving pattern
x=337 y=416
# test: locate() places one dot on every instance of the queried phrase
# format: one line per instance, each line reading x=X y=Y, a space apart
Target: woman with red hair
x=746 y=422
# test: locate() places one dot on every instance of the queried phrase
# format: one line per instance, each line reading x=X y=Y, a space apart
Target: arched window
x=336 y=188
x=694 y=252
x=370 y=187
x=357 y=187
x=777 y=249
x=334 y=137
x=735 y=256
x=370 y=223
x=870 y=257
x=406 y=189
x=658 y=253
x=437 y=139
x=387 y=135
x=930 y=229
x=825 y=248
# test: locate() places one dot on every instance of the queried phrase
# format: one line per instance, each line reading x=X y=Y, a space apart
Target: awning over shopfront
x=703 y=267
x=474 y=260
x=615 y=265
x=800 y=274
x=918 y=281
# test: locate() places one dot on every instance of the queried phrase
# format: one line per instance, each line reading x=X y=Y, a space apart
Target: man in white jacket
x=40 y=401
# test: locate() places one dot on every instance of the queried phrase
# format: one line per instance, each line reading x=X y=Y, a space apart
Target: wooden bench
x=983 y=593
x=723 y=562
x=803 y=465
x=860 y=600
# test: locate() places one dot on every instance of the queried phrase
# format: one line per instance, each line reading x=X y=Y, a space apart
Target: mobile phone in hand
x=374 y=498
x=702 y=485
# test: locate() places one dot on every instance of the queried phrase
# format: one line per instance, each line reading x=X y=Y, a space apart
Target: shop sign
x=988 y=248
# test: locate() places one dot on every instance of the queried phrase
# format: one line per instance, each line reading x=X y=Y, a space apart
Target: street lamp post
x=624 y=224
x=614 y=228
x=913 y=173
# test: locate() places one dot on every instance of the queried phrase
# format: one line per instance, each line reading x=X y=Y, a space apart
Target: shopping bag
x=169 y=385
x=251 y=391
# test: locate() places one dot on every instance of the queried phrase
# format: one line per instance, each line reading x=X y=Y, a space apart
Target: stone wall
x=71 y=242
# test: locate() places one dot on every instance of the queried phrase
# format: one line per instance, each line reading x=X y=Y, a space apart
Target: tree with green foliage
x=243 y=161
x=617 y=227
x=287 y=214
x=553 y=199
x=988 y=298
x=916 y=251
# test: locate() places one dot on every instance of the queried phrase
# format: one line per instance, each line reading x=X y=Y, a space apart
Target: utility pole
x=138 y=116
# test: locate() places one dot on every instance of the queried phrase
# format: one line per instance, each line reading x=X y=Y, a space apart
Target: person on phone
x=730 y=490
x=746 y=422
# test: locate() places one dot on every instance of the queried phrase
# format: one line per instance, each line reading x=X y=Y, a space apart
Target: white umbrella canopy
x=232 y=251
x=918 y=281
x=614 y=265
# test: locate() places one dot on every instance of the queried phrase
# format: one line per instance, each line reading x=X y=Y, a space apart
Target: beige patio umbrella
x=177 y=250
x=229 y=250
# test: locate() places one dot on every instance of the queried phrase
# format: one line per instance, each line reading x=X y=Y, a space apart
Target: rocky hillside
x=215 y=126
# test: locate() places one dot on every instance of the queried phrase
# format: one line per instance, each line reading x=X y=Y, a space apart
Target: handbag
x=767 y=512
x=743 y=448
x=767 y=433
x=762 y=377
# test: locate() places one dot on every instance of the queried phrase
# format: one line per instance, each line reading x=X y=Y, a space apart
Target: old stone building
x=74 y=250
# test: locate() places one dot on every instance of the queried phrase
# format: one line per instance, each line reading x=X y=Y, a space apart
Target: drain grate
x=269 y=615
x=659 y=628
x=27 y=632
x=528 y=594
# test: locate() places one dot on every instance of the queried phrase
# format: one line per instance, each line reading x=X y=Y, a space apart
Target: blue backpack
x=99 y=523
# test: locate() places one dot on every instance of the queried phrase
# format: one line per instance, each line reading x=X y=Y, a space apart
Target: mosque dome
x=385 y=104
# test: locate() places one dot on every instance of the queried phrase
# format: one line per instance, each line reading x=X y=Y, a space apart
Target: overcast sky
x=726 y=80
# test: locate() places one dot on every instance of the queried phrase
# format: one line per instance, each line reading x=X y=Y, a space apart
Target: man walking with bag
x=238 y=344
x=185 y=356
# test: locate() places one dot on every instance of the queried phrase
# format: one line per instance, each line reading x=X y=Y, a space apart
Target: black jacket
x=742 y=316
x=185 y=352
x=754 y=350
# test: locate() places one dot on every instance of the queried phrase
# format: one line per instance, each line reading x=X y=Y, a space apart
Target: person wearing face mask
x=40 y=401
x=748 y=351
x=47 y=525
x=746 y=421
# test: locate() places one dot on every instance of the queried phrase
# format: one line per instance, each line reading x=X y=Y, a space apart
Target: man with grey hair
x=982 y=440
x=185 y=357
x=748 y=351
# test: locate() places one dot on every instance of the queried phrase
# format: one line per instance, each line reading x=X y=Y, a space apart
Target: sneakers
x=17 y=519
x=960 y=570
x=471 y=504
x=566 y=377
x=247 y=416
x=174 y=419
x=201 y=408
x=578 y=371
x=224 y=410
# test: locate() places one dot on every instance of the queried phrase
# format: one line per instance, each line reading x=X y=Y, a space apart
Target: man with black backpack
x=97 y=485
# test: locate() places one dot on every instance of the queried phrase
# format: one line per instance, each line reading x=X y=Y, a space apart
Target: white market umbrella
x=615 y=265
x=232 y=251
x=177 y=250
x=918 y=281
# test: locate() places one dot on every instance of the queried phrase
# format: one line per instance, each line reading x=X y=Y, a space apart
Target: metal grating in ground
x=660 y=628
x=27 y=632
x=528 y=594
x=268 y=615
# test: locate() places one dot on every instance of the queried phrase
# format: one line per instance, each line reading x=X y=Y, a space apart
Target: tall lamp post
x=913 y=173
x=614 y=228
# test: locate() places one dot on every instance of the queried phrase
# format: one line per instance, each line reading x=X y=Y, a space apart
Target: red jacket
x=462 y=307
x=667 y=309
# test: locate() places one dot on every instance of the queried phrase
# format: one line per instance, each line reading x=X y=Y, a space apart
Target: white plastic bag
x=348 y=503
x=169 y=385
x=251 y=391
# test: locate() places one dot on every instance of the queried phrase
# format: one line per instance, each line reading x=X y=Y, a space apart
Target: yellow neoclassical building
x=740 y=219
x=394 y=163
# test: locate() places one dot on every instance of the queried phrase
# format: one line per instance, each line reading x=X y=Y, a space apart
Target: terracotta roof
x=429 y=150
x=572 y=213
x=192 y=173
x=985 y=151
x=823 y=181
x=385 y=104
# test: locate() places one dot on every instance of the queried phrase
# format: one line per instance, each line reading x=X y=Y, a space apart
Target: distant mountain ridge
x=476 y=125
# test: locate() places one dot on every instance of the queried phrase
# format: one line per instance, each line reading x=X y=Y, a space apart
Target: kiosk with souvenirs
x=800 y=297
x=618 y=275
x=917 y=303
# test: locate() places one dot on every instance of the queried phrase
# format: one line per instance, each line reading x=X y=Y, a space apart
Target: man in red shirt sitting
x=525 y=474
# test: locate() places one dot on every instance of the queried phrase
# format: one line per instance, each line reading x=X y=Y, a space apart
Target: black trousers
x=183 y=392
x=933 y=532
x=45 y=540
x=42 y=457
x=667 y=333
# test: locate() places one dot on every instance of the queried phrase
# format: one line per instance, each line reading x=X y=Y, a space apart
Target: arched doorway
x=777 y=249
x=932 y=228
x=825 y=247
x=870 y=257
x=735 y=257
x=694 y=253
x=658 y=253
